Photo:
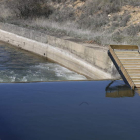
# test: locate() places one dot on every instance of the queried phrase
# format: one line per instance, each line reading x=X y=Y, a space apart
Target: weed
x=117 y=37
x=62 y=15
x=94 y=22
x=124 y=20
x=115 y=24
x=30 y=8
x=117 y=18
x=132 y=30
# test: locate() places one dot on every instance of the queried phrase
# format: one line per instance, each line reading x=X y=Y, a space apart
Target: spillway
x=17 y=65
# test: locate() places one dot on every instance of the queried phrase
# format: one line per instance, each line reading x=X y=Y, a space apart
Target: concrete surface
x=89 y=60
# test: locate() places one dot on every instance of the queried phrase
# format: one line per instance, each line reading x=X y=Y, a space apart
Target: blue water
x=69 y=111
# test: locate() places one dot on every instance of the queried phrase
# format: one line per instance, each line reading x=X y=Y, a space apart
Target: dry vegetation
x=95 y=21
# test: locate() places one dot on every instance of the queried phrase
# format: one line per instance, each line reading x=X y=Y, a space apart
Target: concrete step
x=127 y=62
x=137 y=85
x=131 y=65
x=121 y=54
x=136 y=81
x=126 y=52
x=134 y=74
x=128 y=58
x=130 y=61
x=135 y=78
x=133 y=70
x=125 y=56
x=116 y=50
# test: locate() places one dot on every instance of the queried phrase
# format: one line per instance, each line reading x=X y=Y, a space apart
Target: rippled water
x=17 y=65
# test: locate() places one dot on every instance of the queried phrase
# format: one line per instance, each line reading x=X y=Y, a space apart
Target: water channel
x=72 y=110
x=17 y=65
x=88 y=110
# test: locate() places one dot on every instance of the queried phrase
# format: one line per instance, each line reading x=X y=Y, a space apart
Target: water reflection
x=117 y=91
x=137 y=90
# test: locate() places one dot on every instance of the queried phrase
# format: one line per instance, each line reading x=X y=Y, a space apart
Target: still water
x=88 y=110
x=17 y=65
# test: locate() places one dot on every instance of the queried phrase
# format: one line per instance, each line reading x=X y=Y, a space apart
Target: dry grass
x=5 y=12
x=93 y=21
x=100 y=37
x=68 y=28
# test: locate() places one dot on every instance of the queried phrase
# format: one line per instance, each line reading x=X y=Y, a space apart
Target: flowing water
x=17 y=65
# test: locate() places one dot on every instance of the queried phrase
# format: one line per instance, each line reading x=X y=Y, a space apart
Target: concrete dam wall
x=89 y=60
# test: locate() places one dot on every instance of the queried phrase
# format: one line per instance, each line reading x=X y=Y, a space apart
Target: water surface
x=69 y=111
x=17 y=65
x=86 y=110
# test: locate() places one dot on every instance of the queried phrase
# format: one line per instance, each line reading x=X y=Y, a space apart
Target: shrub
x=132 y=30
x=117 y=18
x=135 y=2
x=115 y=24
x=111 y=7
x=30 y=8
x=117 y=37
x=106 y=6
x=91 y=7
x=93 y=22
x=97 y=40
x=124 y=20
x=62 y=15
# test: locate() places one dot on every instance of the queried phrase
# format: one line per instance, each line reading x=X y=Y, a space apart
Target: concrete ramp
x=127 y=61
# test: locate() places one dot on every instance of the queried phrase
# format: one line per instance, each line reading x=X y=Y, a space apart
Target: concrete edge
x=56 y=54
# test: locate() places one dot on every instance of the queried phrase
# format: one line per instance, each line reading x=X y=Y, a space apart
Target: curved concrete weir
x=74 y=56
